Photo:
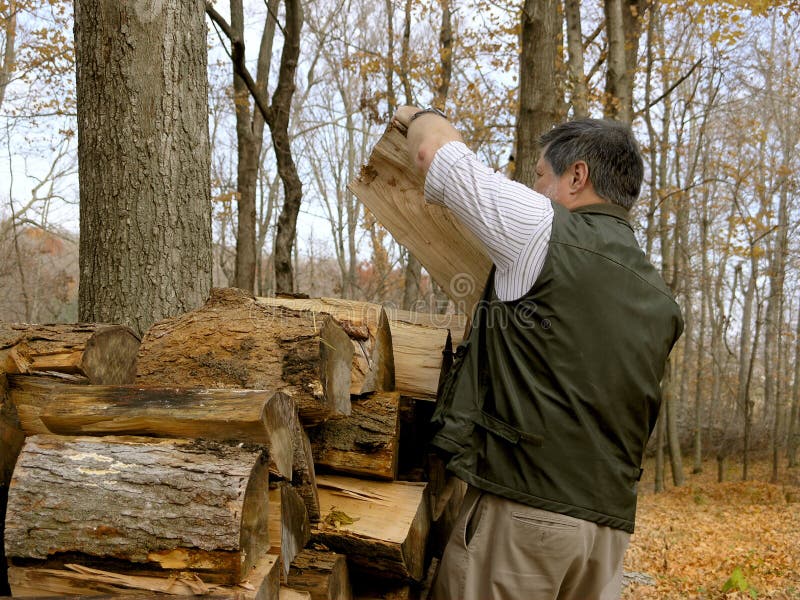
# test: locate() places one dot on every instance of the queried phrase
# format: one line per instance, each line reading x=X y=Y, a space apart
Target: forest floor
x=737 y=539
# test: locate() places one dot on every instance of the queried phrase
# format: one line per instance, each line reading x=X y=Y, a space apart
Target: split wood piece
x=260 y=417
x=382 y=527
x=235 y=342
x=392 y=188
x=363 y=444
x=304 y=478
x=261 y=583
x=455 y=323
x=289 y=527
x=105 y=354
x=29 y=395
x=417 y=358
x=139 y=505
x=368 y=328
x=323 y=574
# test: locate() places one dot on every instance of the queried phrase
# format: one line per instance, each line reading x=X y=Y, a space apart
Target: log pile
x=261 y=448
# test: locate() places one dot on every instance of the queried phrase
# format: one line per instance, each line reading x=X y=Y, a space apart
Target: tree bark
x=579 y=95
x=540 y=95
x=793 y=438
x=304 y=478
x=366 y=443
x=250 y=416
x=144 y=160
x=11 y=440
x=146 y=505
x=323 y=574
x=104 y=354
x=235 y=342
x=382 y=527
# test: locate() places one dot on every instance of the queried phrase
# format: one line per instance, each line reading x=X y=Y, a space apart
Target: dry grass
x=691 y=539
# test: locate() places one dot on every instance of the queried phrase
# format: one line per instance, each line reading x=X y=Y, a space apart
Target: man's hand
x=425 y=134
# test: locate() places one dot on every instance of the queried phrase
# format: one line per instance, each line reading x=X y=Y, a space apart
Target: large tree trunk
x=281 y=142
x=623 y=29
x=368 y=328
x=233 y=341
x=104 y=354
x=540 y=94
x=382 y=527
x=579 y=96
x=793 y=438
x=144 y=160
x=251 y=416
x=146 y=506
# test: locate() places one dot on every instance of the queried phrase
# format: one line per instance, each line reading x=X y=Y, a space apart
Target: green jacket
x=552 y=398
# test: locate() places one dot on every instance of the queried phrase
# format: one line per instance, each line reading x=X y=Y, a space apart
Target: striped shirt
x=511 y=220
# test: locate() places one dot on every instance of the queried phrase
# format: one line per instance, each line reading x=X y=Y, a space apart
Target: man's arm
x=512 y=221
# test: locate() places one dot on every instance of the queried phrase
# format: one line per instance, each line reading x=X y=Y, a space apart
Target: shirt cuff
x=443 y=161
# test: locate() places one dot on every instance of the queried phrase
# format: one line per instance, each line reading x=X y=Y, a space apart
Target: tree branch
x=237 y=56
x=676 y=84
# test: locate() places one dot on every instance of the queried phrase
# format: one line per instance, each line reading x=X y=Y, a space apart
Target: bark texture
x=233 y=341
x=156 y=505
x=143 y=150
x=104 y=354
x=368 y=328
x=323 y=574
x=364 y=444
x=252 y=416
x=382 y=527
x=11 y=440
x=541 y=102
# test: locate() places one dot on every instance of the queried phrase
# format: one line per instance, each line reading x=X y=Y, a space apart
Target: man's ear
x=579 y=176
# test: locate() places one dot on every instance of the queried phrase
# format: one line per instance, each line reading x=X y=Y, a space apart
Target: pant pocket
x=473 y=517
x=543 y=519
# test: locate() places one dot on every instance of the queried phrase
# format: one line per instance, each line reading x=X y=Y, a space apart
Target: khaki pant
x=504 y=550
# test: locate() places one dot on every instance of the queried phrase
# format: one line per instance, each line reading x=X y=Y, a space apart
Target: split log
x=259 y=417
x=235 y=342
x=289 y=527
x=304 y=478
x=368 y=328
x=392 y=188
x=363 y=444
x=288 y=593
x=139 y=505
x=322 y=574
x=105 y=354
x=261 y=583
x=382 y=527
x=455 y=323
x=29 y=395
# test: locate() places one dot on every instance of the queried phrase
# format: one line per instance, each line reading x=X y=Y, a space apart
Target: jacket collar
x=605 y=208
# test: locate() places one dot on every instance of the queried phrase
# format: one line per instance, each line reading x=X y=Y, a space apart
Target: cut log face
x=392 y=188
x=149 y=505
x=289 y=527
x=322 y=574
x=260 y=417
x=363 y=444
x=417 y=358
x=234 y=342
x=105 y=354
x=368 y=328
x=304 y=478
x=382 y=527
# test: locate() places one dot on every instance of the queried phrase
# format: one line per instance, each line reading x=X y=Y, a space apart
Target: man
x=549 y=405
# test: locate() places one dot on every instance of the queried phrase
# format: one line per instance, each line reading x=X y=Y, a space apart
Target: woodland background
x=710 y=88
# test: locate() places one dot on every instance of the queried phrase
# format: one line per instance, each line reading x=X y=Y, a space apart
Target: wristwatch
x=426 y=111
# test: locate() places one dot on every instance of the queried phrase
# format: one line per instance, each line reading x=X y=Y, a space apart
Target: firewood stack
x=260 y=448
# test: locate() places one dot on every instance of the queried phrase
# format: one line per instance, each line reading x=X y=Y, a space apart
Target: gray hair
x=608 y=148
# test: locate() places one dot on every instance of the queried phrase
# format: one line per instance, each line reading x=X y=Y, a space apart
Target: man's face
x=549 y=184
